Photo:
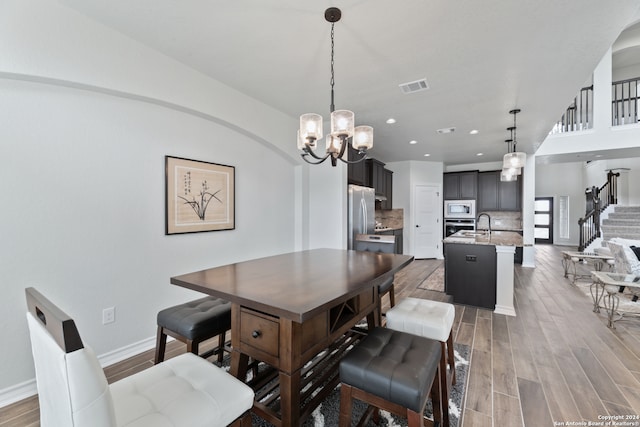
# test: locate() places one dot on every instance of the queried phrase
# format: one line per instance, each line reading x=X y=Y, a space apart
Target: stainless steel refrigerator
x=361 y=212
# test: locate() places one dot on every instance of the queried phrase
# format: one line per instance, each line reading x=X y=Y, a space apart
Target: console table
x=610 y=284
x=572 y=258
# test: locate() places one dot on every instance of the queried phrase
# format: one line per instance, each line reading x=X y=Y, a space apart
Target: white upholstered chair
x=73 y=390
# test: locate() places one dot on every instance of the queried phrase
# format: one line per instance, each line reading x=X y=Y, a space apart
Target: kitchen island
x=479 y=268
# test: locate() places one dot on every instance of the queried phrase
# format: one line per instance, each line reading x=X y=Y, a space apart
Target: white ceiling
x=481 y=59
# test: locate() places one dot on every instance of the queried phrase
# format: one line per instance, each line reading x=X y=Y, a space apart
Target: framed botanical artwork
x=200 y=196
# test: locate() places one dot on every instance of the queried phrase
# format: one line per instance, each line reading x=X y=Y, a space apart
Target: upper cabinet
x=357 y=172
x=496 y=195
x=460 y=185
x=372 y=173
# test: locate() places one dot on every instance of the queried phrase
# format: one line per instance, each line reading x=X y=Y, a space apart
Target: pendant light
x=514 y=159
x=342 y=123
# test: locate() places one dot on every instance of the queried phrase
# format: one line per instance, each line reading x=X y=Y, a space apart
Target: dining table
x=296 y=313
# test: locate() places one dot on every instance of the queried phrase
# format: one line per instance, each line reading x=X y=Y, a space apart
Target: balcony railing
x=624 y=102
x=579 y=115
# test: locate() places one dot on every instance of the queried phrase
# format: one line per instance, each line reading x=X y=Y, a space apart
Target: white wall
x=406 y=175
x=563 y=179
x=87 y=118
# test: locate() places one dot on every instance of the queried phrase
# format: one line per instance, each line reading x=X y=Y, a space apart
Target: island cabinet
x=470 y=274
x=460 y=185
x=496 y=195
x=398 y=236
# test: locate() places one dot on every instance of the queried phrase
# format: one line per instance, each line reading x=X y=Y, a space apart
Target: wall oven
x=452 y=226
x=460 y=209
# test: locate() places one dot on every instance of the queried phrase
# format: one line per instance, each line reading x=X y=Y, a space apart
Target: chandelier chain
x=332 y=82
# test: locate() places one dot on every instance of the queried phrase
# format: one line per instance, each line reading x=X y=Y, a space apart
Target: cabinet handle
x=256 y=334
x=417 y=226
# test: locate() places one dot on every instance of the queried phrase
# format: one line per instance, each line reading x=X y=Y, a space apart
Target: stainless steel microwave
x=460 y=209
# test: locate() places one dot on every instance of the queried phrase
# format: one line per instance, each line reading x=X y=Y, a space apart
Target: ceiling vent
x=416 y=86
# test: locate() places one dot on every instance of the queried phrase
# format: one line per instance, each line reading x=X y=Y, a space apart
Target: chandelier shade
x=362 y=138
x=506 y=175
x=514 y=160
x=342 y=130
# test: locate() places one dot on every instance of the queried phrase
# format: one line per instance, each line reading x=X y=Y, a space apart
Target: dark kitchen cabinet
x=381 y=180
x=470 y=274
x=387 y=190
x=496 y=195
x=357 y=173
x=460 y=185
x=399 y=240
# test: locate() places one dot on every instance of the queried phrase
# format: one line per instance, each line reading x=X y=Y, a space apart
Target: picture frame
x=199 y=197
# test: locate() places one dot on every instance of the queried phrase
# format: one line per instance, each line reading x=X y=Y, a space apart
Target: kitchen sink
x=473 y=233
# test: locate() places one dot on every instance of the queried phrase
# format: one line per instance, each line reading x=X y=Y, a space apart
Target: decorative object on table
x=200 y=196
x=342 y=122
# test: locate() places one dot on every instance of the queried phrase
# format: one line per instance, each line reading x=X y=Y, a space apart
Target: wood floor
x=554 y=364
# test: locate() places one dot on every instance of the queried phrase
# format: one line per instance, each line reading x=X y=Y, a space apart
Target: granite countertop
x=497 y=238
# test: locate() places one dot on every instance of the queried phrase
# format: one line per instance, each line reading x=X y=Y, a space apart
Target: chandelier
x=342 y=123
x=513 y=161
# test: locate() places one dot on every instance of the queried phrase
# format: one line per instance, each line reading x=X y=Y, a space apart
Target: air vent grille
x=416 y=86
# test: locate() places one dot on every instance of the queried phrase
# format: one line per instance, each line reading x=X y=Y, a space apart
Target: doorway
x=427 y=228
x=543 y=220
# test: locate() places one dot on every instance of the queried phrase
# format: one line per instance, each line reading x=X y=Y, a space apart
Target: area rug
x=326 y=415
x=435 y=281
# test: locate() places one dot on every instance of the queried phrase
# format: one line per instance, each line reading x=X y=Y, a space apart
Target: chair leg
x=345 y=405
x=221 y=339
x=444 y=386
x=192 y=346
x=161 y=345
x=436 y=399
x=243 y=421
x=452 y=358
x=392 y=296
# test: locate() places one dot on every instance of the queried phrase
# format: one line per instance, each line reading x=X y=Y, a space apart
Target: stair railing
x=597 y=200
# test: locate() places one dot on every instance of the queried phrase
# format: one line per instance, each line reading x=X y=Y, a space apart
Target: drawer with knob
x=259 y=331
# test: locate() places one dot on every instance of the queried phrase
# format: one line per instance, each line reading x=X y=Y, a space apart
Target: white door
x=427 y=231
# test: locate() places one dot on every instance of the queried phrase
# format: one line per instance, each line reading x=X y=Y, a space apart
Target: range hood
x=381 y=197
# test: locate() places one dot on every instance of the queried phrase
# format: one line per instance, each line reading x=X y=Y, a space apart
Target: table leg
x=611 y=303
x=239 y=365
x=290 y=398
x=596 y=295
x=565 y=266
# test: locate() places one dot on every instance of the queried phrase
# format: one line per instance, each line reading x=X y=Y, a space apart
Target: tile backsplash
x=502 y=220
x=391 y=218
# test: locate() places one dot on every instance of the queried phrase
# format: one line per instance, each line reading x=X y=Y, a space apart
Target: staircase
x=623 y=222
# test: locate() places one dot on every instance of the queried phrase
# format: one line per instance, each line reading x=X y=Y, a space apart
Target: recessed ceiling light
x=473 y=132
x=413 y=142
x=391 y=120
x=427 y=155
x=479 y=154
x=446 y=130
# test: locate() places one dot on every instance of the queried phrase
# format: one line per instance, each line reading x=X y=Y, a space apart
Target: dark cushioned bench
x=192 y=323
x=392 y=370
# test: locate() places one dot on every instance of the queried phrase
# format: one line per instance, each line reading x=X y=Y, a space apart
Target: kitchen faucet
x=488 y=219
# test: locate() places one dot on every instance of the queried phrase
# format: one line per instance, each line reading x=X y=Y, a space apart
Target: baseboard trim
x=507 y=311
x=29 y=388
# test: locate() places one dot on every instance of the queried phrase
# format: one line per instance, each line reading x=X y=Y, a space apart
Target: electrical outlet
x=108 y=315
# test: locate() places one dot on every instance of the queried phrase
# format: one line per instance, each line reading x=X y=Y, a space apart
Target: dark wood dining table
x=287 y=310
